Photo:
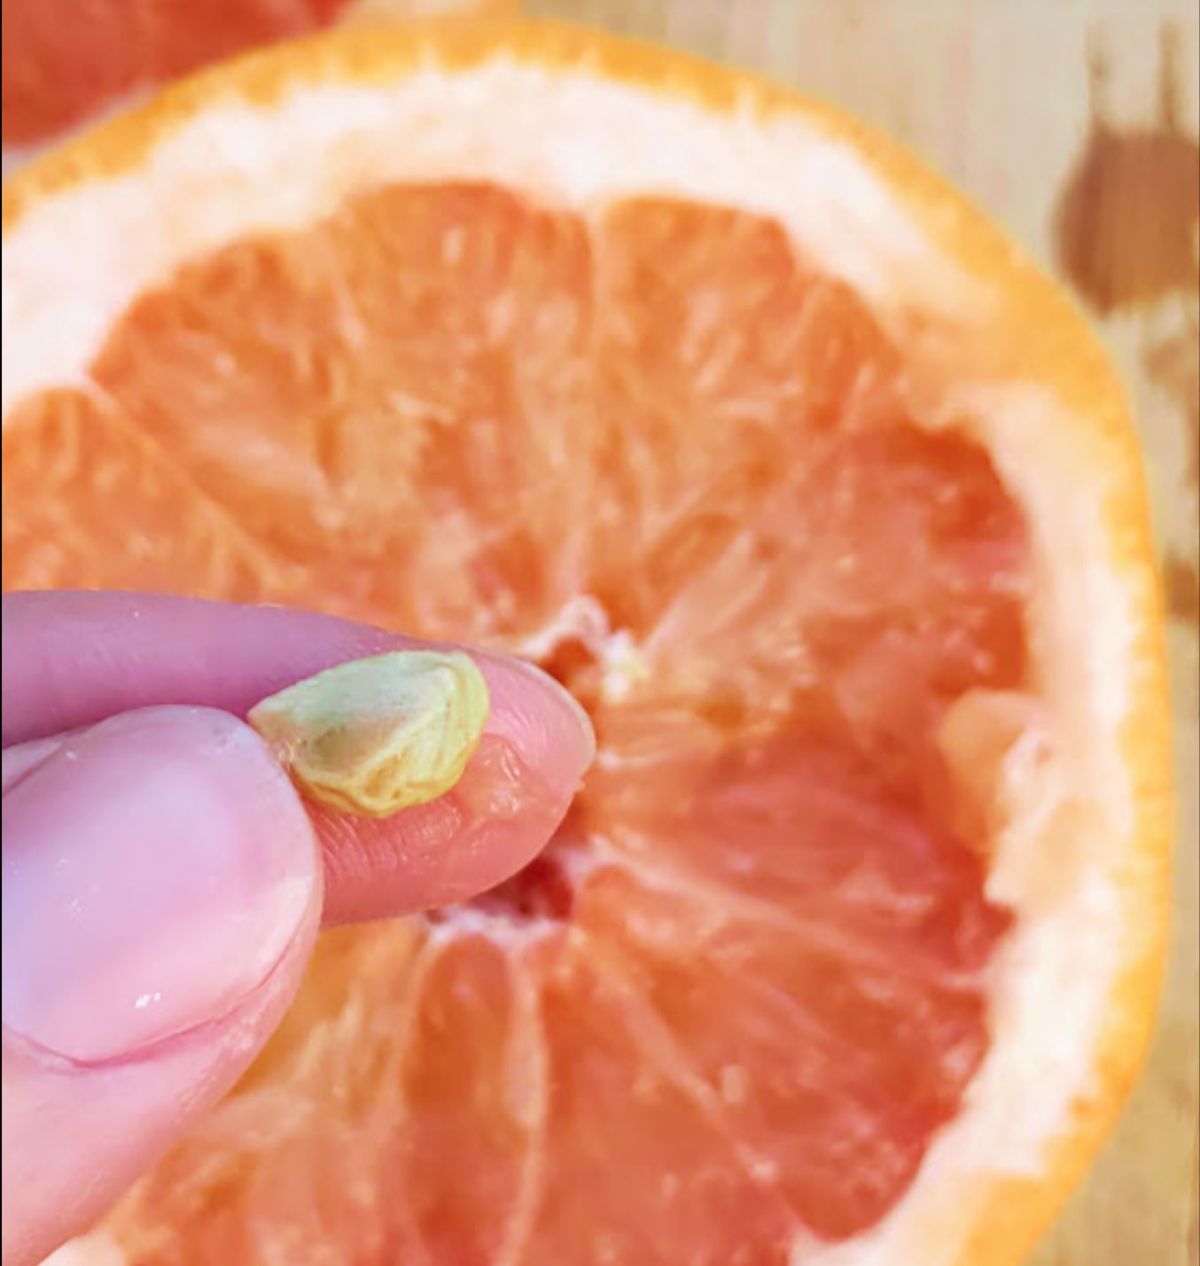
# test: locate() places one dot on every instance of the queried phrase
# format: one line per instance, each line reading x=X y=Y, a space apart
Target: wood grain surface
x=1074 y=123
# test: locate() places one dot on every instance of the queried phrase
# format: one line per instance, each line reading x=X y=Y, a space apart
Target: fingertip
x=537 y=745
x=542 y=721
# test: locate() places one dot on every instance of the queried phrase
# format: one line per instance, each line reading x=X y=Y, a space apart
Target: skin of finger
x=74 y=658
x=448 y=846
x=75 y=1136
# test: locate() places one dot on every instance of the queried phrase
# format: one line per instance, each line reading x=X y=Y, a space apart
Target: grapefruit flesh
x=726 y=1014
x=65 y=60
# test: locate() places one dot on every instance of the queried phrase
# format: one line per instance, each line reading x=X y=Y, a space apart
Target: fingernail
x=544 y=722
x=575 y=715
x=156 y=868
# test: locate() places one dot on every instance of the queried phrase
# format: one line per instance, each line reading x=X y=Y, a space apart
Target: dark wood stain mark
x=1127 y=234
x=1181 y=582
x=1128 y=218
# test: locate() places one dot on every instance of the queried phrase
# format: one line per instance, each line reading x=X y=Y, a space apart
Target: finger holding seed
x=394 y=756
x=90 y=656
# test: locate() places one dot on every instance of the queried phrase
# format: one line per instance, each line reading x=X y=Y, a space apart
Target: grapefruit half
x=822 y=501
x=67 y=61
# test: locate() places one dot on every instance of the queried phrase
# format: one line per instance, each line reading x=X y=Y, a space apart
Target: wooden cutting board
x=1074 y=122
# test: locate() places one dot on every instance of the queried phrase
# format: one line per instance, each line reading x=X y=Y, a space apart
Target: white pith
x=578 y=141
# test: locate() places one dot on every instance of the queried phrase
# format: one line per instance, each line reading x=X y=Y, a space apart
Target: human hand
x=163 y=883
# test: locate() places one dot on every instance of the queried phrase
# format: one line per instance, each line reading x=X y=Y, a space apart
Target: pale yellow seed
x=378 y=735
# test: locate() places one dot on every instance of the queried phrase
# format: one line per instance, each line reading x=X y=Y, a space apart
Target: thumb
x=162 y=890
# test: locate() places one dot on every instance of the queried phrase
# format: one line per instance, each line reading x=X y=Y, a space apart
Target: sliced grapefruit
x=822 y=501
x=66 y=61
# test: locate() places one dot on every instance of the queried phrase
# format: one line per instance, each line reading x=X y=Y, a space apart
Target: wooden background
x=1073 y=122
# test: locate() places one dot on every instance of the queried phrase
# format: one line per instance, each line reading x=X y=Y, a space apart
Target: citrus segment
x=681 y=1189
x=89 y=483
x=829 y=1061
x=800 y=823
x=471 y=1078
x=314 y=384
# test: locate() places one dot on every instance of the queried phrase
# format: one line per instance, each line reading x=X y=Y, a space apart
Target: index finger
x=72 y=659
